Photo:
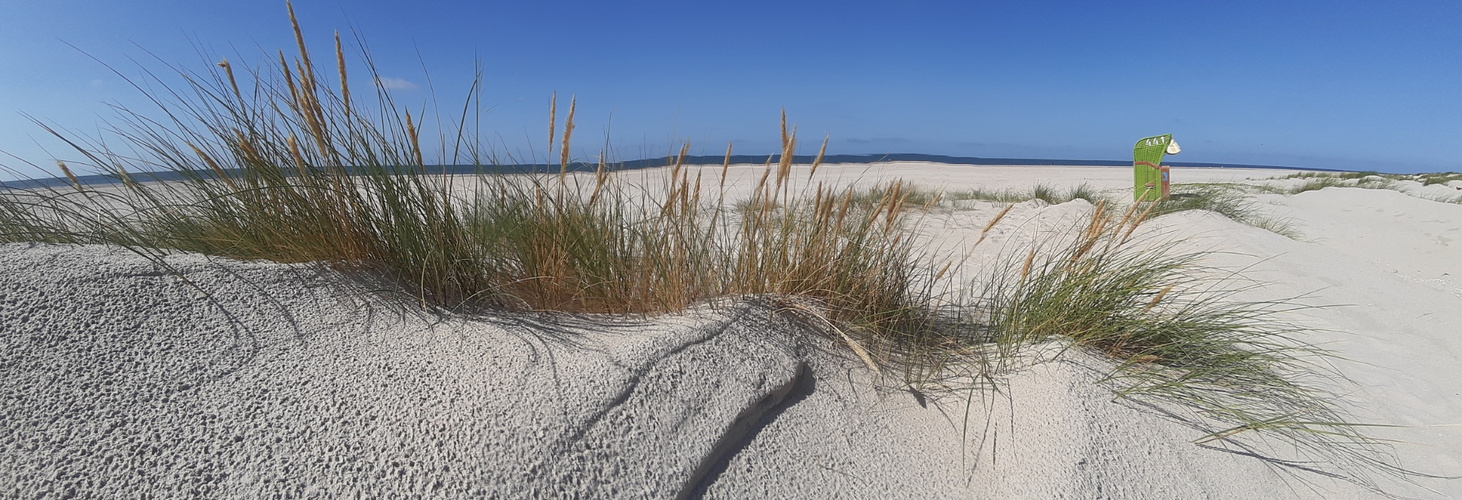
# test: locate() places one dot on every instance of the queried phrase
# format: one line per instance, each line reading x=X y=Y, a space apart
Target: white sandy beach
x=252 y=379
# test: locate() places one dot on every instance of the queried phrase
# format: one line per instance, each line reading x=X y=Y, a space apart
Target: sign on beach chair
x=1151 y=178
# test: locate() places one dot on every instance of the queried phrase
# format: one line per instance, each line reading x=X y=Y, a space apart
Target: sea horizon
x=662 y=161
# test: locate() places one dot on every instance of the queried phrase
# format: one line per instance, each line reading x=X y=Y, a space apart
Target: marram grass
x=1227 y=200
x=1314 y=181
x=283 y=166
x=1183 y=343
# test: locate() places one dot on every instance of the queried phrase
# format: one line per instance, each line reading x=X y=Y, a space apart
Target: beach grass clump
x=281 y=167
x=1384 y=181
x=1425 y=178
x=1181 y=341
x=1455 y=199
x=1331 y=175
x=556 y=247
x=923 y=198
x=1316 y=184
x=1373 y=180
x=1227 y=200
x=844 y=258
x=1043 y=192
x=1444 y=178
x=860 y=265
x=912 y=196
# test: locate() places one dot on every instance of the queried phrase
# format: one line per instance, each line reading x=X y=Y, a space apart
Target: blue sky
x=1348 y=85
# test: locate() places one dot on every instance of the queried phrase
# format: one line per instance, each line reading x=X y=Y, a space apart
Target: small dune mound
x=225 y=379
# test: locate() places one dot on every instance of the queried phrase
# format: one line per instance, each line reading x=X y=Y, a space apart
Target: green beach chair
x=1150 y=177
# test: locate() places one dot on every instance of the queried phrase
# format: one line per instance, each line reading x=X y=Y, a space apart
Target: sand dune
x=252 y=379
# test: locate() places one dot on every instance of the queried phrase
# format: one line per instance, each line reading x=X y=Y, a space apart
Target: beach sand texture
x=119 y=379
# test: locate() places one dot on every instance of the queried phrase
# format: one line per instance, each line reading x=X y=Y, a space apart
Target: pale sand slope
x=1389 y=266
x=117 y=379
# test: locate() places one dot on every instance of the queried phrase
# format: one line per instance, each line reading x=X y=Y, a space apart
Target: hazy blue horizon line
x=697 y=160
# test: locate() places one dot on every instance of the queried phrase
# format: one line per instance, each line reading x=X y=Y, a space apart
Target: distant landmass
x=689 y=160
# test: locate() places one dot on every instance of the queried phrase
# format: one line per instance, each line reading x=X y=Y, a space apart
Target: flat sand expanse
x=251 y=379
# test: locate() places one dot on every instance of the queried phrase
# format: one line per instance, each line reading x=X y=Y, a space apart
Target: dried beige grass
x=344 y=82
x=568 y=131
x=228 y=70
x=820 y=153
x=69 y=175
x=993 y=221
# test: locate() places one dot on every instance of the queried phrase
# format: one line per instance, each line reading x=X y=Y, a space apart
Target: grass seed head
x=411 y=134
x=284 y=71
x=818 y=161
x=229 y=71
x=212 y=165
x=725 y=166
x=1157 y=298
x=69 y=175
x=344 y=82
x=1138 y=221
x=299 y=38
x=993 y=221
x=1025 y=270
x=568 y=132
x=299 y=161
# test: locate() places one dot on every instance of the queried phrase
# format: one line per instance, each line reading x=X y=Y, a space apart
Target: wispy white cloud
x=396 y=83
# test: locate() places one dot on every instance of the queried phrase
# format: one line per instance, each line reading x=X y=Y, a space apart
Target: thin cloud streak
x=389 y=83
